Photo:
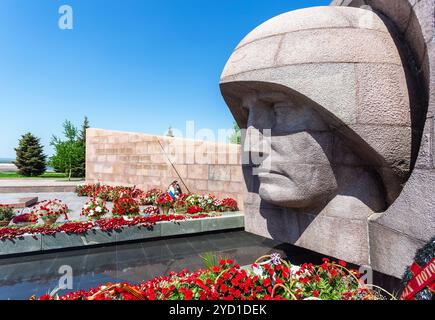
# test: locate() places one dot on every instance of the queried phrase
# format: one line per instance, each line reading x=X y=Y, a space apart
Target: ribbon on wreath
x=423 y=277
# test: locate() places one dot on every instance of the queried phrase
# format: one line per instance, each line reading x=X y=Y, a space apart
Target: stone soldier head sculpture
x=323 y=96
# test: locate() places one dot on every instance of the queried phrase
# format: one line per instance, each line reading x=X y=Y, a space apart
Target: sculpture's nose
x=257 y=144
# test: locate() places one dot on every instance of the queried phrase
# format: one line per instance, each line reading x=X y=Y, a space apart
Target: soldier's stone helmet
x=343 y=60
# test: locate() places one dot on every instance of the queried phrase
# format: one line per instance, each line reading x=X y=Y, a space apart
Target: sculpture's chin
x=281 y=191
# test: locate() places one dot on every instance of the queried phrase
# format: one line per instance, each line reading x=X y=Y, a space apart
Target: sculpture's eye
x=282 y=117
x=280 y=112
x=261 y=116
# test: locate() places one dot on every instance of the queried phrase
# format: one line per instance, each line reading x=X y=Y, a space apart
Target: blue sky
x=132 y=65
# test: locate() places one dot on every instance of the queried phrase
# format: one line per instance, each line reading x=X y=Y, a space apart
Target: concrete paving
x=37 y=185
x=75 y=203
x=38 y=182
x=7 y=167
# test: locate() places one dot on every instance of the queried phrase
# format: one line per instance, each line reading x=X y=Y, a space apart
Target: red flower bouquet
x=106 y=193
x=51 y=210
x=229 y=204
x=180 y=205
x=87 y=190
x=165 y=201
x=151 y=210
x=194 y=209
x=26 y=218
x=274 y=279
x=126 y=207
x=150 y=197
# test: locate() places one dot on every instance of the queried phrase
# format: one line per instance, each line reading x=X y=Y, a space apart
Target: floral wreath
x=419 y=278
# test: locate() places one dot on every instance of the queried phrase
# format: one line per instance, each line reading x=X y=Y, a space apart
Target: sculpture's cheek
x=301 y=186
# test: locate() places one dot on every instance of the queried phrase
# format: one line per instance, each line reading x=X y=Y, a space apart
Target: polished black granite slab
x=22 y=277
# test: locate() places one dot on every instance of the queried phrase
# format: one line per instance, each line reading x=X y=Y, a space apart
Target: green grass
x=47 y=175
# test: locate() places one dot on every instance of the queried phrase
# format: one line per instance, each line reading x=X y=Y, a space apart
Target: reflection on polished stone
x=136 y=262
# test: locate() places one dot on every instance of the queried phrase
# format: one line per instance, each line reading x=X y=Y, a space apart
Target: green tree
x=85 y=126
x=236 y=137
x=70 y=154
x=82 y=138
x=30 y=157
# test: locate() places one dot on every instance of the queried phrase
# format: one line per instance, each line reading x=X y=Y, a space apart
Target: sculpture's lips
x=264 y=172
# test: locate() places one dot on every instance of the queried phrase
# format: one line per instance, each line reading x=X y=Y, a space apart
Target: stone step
x=19 y=203
x=37 y=186
x=36 y=189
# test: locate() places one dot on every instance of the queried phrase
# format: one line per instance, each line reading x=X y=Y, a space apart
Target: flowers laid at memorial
x=126 y=206
x=51 y=210
x=180 y=205
x=151 y=210
x=270 y=278
x=106 y=193
x=106 y=225
x=150 y=197
x=165 y=202
x=227 y=204
x=211 y=203
x=25 y=218
x=6 y=215
x=194 y=210
x=155 y=197
x=419 y=278
x=126 y=211
x=194 y=200
x=95 y=208
x=87 y=190
x=206 y=202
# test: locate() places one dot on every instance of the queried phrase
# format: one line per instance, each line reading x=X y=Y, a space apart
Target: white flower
x=91 y=212
x=258 y=271
x=98 y=209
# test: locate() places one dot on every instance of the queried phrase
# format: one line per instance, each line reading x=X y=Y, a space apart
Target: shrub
x=69 y=154
x=126 y=207
x=30 y=158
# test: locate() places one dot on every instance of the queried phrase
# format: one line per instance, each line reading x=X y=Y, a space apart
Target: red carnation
x=342 y=263
x=194 y=209
x=224 y=288
x=188 y=294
